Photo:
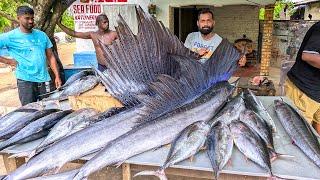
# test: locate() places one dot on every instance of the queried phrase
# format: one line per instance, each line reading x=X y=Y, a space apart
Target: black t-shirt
x=302 y=74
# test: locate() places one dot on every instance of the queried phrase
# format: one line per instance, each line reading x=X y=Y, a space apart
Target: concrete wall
x=163 y=5
x=287 y=38
x=314 y=10
x=234 y=21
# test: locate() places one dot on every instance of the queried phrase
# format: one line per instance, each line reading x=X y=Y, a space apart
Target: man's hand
x=242 y=61
x=57 y=82
x=11 y=62
x=202 y=51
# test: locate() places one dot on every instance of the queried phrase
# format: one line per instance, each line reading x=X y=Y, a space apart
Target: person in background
x=303 y=83
x=205 y=41
x=31 y=53
x=103 y=34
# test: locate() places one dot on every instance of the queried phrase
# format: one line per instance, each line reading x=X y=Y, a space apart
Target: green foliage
x=9 y=7
x=261 y=14
x=66 y=20
x=278 y=8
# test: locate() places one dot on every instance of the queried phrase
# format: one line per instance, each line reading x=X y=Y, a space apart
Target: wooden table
x=299 y=167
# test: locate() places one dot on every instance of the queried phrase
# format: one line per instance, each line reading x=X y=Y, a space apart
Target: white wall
x=163 y=5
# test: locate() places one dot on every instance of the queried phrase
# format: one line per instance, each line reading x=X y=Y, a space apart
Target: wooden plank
x=126 y=172
x=12 y=164
x=193 y=173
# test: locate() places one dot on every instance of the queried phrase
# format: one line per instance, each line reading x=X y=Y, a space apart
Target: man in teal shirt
x=31 y=52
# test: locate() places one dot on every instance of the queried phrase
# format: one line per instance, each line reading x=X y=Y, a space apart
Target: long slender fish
x=186 y=144
x=20 y=123
x=76 y=88
x=298 y=130
x=157 y=132
x=230 y=112
x=11 y=117
x=77 y=145
x=259 y=126
x=220 y=146
x=251 y=145
x=253 y=103
x=34 y=127
x=64 y=127
x=72 y=79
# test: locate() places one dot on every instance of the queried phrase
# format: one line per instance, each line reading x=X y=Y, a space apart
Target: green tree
x=278 y=8
x=47 y=14
x=7 y=13
x=67 y=20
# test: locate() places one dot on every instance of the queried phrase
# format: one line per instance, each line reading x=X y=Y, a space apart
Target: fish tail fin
x=216 y=173
x=274 y=177
x=275 y=155
x=159 y=173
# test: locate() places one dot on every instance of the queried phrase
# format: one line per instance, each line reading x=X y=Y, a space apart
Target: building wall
x=163 y=6
x=314 y=10
x=234 y=21
x=287 y=38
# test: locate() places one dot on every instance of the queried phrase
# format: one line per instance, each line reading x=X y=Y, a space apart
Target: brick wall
x=266 y=41
x=234 y=21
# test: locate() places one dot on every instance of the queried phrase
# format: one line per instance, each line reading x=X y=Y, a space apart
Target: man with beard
x=205 y=41
x=103 y=35
x=30 y=50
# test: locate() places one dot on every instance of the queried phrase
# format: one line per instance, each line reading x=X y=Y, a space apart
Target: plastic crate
x=85 y=59
x=70 y=70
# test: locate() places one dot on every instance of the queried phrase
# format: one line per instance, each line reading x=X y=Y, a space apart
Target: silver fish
x=17 y=124
x=77 y=145
x=253 y=103
x=251 y=145
x=298 y=130
x=259 y=126
x=220 y=146
x=157 y=132
x=186 y=144
x=64 y=127
x=76 y=88
x=35 y=127
x=230 y=112
x=11 y=117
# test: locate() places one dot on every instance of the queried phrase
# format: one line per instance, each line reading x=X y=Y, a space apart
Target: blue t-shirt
x=29 y=50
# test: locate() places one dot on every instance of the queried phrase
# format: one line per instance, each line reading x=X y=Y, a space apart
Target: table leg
x=12 y=164
x=126 y=172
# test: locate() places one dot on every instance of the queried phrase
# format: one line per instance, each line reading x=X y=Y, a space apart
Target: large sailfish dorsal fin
x=134 y=61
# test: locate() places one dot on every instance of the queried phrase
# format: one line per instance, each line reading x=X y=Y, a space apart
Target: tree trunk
x=47 y=14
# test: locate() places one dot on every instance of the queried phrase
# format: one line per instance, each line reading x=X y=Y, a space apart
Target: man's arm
x=312 y=59
x=70 y=32
x=3 y=44
x=53 y=64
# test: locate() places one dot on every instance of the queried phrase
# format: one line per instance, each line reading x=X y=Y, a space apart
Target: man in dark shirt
x=303 y=85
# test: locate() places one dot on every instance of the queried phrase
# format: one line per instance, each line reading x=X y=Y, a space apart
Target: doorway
x=185 y=20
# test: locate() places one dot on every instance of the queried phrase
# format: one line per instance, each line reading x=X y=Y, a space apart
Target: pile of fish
x=75 y=85
x=169 y=97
